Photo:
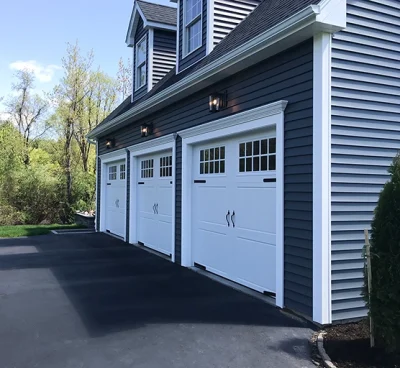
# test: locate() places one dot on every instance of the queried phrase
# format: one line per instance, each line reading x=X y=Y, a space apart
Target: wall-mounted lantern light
x=146 y=130
x=217 y=101
x=110 y=143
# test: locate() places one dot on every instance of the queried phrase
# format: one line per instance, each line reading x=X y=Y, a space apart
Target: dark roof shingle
x=158 y=13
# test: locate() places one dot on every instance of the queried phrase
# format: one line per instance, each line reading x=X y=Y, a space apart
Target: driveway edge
x=326 y=361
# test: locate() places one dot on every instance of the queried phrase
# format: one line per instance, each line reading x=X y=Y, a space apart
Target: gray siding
x=164 y=54
x=140 y=32
x=228 y=14
x=365 y=137
x=192 y=58
x=128 y=191
x=98 y=194
x=286 y=76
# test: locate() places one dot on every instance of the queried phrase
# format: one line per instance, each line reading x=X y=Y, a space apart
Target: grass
x=30 y=230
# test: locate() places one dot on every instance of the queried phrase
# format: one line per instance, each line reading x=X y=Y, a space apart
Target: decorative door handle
x=227 y=218
x=157 y=208
x=117 y=203
x=233 y=214
x=154 y=208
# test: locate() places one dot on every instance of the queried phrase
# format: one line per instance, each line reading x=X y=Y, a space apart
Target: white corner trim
x=155 y=145
x=322 y=179
x=97 y=186
x=150 y=60
x=258 y=118
x=113 y=156
x=237 y=119
x=210 y=26
x=178 y=30
x=147 y=147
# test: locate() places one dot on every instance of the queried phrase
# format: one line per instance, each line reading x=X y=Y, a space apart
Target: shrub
x=385 y=263
x=10 y=216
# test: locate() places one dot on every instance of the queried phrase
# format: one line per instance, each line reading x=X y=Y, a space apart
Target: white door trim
x=119 y=155
x=260 y=117
x=152 y=146
x=322 y=298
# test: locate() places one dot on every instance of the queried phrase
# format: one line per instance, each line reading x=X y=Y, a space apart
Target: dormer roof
x=153 y=16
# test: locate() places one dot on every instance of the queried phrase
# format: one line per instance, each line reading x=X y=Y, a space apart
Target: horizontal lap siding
x=228 y=14
x=164 y=54
x=287 y=76
x=195 y=56
x=140 y=33
x=365 y=137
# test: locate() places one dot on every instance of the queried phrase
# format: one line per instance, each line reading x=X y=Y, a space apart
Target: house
x=260 y=154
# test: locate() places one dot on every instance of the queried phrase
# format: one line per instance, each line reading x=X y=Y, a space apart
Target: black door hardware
x=233 y=214
x=227 y=218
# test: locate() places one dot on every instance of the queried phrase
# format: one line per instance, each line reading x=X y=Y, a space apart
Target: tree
x=384 y=306
x=69 y=96
x=27 y=109
x=124 y=78
x=100 y=100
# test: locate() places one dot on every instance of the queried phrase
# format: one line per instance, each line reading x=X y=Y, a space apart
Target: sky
x=34 y=35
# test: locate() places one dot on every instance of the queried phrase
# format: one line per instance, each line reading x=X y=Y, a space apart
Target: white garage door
x=234 y=212
x=155 y=202
x=116 y=198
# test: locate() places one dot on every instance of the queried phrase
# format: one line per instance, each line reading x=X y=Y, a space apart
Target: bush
x=385 y=260
x=10 y=216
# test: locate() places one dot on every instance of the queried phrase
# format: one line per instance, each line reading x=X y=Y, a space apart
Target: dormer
x=202 y=24
x=152 y=36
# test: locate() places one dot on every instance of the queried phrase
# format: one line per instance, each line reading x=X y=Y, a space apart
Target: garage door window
x=112 y=173
x=122 y=172
x=212 y=160
x=259 y=155
x=165 y=166
x=147 y=169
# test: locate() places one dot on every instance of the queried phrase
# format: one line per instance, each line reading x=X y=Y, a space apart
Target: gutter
x=298 y=21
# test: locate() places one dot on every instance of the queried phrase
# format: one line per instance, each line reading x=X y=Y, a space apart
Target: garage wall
x=285 y=76
x=365 y=137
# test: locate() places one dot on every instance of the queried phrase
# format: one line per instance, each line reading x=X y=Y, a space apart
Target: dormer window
x=192 y=21
x=141 y=51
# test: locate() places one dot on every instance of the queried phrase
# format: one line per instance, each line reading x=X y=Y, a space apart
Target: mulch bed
x=348 y=346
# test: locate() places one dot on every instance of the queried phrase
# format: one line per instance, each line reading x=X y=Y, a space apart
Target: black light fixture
x=110 y=143
x=146 y=130
x=217 y=101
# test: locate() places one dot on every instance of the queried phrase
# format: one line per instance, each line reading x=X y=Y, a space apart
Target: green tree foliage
x=385 y=263
x=46 y=178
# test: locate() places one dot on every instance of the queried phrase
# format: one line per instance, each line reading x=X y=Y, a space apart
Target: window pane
x=141 y=52
x=217 y=153
x=222 y=167
x=212 y=154
x=264 y=146
x=248 y=149
x=264 y=163
x=256 y=164
x=201 y=155
x=222 y=151
x=206 y=156
x=206 y=168
x=241 y=150
x=241 y=165
x=212 y=167
x=248 y=164
x=193 y=9
x=272 y=145
x=256 y=147
x=194 y=36
x=272 y=162
x=201 y=168
x=217 y=167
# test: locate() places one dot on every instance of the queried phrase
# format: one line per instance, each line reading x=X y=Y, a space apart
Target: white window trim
x=322 y=297
x=210 y=26
x=245 y=122
x=137 y=87
x=152 y=146
x=150 y=60
x=119 y=155
x=185 y=46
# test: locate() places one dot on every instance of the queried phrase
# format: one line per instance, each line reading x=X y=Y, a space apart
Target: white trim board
x=261 y=117
x=210 y=26
x=119 y=155
x=152 y=146
x=150 y=47
x=322 y=297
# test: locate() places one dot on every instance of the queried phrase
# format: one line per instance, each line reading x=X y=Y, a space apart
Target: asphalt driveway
x=74 y=301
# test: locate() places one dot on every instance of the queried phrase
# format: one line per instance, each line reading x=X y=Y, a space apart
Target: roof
x=158 y=13
x=265 y=16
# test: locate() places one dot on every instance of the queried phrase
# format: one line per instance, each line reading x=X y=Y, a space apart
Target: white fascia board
x=298 y=27
x=322 y=179
x=167 y=27
x=332 y=16
x=133 y=22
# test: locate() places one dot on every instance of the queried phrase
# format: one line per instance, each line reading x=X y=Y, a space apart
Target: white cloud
x=43 y=73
